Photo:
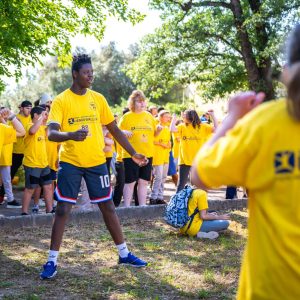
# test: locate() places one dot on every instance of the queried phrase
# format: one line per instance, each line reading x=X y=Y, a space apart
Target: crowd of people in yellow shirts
x=256 y=146
x=170 y=144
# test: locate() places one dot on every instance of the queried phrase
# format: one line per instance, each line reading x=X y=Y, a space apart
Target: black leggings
x=184 y=172
x=120 y=181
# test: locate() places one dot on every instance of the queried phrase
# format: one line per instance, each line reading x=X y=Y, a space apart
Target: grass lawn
x=179 y=267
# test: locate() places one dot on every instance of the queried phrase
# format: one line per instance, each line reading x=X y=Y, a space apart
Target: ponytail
x=293 y=82
x=293 y=90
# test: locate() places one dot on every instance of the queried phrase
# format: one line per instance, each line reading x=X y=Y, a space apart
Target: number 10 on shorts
x=105 y=182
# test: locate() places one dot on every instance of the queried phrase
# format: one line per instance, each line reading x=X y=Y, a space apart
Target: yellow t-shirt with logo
x=262 y=153
x=176 y=143
x=191 y=140
x=52 y=154
x=118 y=151
x=19 y=146
x=7 y=137
x=143 y=126
x=160 y=154
x=73 y=112
x=198 y=199
x=35 y=155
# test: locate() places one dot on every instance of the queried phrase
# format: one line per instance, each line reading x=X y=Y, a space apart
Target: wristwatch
x=10 y=118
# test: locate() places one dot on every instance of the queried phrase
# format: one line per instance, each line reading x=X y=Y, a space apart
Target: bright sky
x=123 y=33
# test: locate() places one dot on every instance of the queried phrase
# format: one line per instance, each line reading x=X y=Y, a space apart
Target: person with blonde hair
x=259 y=148
x=162 y=146
x=141 y=127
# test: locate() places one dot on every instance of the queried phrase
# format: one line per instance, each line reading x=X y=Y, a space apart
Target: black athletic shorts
x=133 y=172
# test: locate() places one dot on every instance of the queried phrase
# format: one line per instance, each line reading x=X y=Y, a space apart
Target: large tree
x=223 y=45
x=30 y=29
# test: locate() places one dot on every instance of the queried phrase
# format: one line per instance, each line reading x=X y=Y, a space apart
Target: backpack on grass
x=176 y=213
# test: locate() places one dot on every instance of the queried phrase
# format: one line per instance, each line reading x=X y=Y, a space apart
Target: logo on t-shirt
x=284 y=162
x=92 y=105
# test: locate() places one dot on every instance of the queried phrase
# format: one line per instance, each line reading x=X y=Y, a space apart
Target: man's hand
x=242 y=103
x=79 y=135
x=128 y=133
x=140 y=159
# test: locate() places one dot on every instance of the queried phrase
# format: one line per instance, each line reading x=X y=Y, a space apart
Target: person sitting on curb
x=205 y=224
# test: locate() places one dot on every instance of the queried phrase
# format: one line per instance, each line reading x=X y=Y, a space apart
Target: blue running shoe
x=133 y=261
x=49 y=270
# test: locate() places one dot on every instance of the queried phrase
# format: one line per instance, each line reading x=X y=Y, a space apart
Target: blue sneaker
x=133 y=261
x=49 y=270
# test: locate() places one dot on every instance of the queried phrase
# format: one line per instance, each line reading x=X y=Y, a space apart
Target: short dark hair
x=26 y=103
x=36 y=110
x=79 y=60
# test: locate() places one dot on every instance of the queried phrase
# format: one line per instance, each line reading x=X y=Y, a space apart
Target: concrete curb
x=135 y=212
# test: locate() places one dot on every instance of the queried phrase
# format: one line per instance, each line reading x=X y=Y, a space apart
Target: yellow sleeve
x=105 y=112
x=226 y=162
x=201 y=197
x=9 y=134
x=56 y=112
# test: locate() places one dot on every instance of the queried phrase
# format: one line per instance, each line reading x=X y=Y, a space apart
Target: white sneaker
x=41 y=203
x=207 y=235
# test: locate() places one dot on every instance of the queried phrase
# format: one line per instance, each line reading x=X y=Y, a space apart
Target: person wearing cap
x=18 y=148
x=45 y=99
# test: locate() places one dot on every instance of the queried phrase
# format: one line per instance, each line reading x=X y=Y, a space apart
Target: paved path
x=169 y=191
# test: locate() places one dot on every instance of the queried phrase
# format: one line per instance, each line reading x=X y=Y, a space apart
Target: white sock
x=123 y=250
x=53 y=255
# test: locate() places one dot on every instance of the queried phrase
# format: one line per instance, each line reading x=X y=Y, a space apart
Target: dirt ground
x=179 y=267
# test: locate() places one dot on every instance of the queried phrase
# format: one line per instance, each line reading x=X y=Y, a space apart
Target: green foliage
x=110 y=79
x=200 y=42
x=35 y=28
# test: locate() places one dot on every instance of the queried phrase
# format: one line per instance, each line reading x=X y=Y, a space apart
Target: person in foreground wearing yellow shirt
x=162 y=146
x=36 y=166
x=263 y=145
x=76 y=120
x=7 y=117
x=205 y=224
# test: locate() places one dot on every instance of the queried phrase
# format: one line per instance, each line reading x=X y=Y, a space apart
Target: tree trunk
x=258 y=76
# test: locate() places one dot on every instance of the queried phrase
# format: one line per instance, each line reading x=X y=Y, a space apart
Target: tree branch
x=187 y=6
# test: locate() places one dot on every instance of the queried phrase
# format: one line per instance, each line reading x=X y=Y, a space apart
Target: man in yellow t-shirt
x=261 y=152
x=37 y=171
x=18 y=148
x=75 y=120
x=8 y=135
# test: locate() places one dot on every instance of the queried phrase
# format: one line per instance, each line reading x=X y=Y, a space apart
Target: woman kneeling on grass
x=204 y=224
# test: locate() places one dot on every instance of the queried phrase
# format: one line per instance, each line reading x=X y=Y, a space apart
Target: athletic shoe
x=42 y=202
x=24 y=214
x=13 y=204
x=1 y=200
x=133 y=261
x=49 y=270
x=153 y=201
x=160 y=201
x=35 y=209
x=207 y=235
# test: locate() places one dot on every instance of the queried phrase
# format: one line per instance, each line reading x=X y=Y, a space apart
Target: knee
x=107 y=207
x=62 y=210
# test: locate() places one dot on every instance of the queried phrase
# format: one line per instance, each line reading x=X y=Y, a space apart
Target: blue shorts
x=69 y=180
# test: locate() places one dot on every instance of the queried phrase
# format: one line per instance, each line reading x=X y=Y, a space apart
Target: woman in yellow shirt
x=264 y=148
x=141 y=127
x=192 y=135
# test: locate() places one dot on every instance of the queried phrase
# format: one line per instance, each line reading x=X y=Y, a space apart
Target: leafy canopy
x=199 y=42
x=30 y=29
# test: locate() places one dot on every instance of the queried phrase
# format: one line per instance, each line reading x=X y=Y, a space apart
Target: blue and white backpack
x=176 y=213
